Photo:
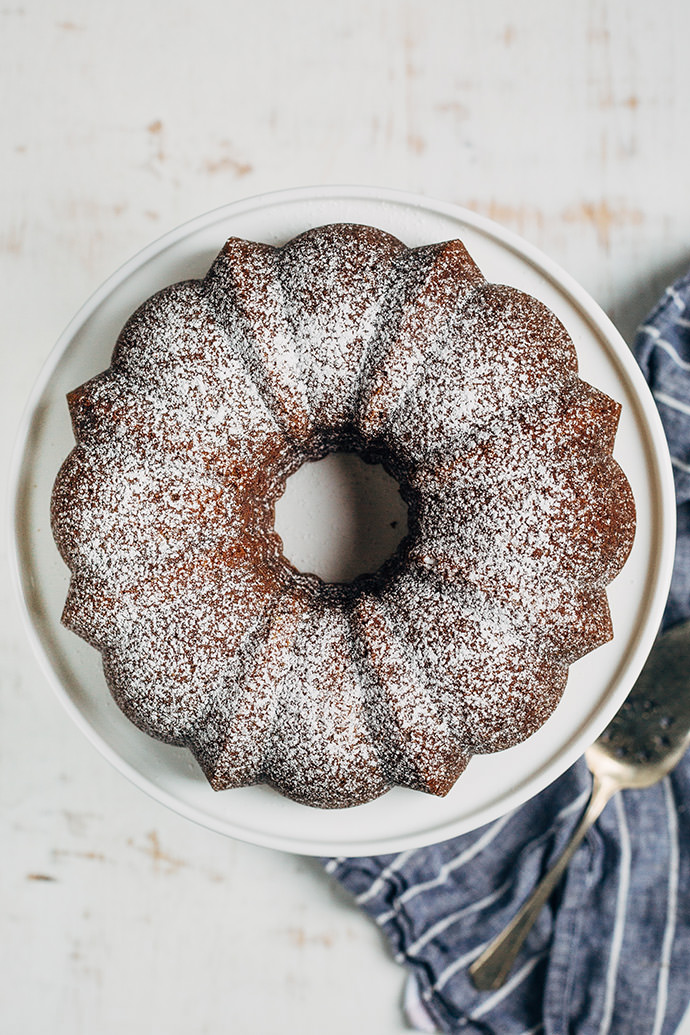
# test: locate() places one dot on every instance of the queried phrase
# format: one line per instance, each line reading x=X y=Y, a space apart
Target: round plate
x=492 y=784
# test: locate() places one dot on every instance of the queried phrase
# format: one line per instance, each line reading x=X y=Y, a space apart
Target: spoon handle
x=491 y=969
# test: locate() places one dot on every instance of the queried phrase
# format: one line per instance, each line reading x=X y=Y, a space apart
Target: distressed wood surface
x=565 y=122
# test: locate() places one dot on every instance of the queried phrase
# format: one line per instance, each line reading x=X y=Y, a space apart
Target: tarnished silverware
x=643 y=742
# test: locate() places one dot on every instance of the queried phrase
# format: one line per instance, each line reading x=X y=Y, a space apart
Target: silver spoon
x=644 y=741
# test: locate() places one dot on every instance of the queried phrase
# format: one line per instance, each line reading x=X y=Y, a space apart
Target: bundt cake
x=465 y=391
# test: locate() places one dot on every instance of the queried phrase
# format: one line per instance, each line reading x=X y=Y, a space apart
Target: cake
x=467 y=393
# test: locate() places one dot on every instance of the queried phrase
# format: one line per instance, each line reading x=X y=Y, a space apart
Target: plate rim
x=544 y=264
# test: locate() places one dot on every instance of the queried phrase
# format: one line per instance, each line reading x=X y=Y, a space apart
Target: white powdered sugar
x=219 y=389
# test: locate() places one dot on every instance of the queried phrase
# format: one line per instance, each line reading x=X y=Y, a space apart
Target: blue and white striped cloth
x=662 y=348
x=610 y=954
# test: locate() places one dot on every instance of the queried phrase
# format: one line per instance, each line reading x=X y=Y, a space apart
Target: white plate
x=492 y=784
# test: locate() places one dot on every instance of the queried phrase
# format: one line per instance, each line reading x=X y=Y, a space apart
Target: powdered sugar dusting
x=467 y=392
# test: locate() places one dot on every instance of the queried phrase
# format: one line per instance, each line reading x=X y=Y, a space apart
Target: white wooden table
x=567 y=123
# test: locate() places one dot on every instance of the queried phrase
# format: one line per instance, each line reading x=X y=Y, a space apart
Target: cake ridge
x=337 y=329
x=424 y=752
x=249 y=354
x=443 y=259
x=411 y=270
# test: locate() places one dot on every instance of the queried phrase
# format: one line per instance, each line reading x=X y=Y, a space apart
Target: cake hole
x=340 y=517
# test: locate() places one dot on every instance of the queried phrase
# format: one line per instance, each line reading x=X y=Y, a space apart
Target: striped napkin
x=610 y=954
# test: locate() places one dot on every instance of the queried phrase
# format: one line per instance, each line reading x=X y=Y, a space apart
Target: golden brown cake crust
x=218 y=390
